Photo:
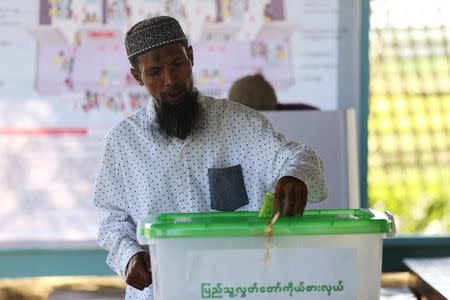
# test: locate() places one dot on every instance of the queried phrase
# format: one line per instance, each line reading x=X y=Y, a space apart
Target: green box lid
x=247 y=223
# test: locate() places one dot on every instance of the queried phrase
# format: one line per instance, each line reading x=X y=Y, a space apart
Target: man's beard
x=178 y=120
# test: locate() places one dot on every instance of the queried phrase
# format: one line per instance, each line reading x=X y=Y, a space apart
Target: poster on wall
x=64 y=80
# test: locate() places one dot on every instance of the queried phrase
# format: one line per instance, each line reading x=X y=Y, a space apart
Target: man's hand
x=138 y=273
x=290 y=196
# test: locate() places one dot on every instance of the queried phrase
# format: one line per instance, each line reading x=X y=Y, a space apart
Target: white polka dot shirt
x=145 y=172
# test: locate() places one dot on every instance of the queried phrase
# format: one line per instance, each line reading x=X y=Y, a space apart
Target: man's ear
x=137 y=75
x=190 y=54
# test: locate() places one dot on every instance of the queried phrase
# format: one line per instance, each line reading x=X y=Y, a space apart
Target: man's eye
x=178 y=62
x=154 y=72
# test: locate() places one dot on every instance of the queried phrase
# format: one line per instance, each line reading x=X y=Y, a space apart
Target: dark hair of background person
x=256 y=92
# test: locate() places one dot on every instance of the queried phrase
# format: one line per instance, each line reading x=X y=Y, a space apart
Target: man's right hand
x=138 y=273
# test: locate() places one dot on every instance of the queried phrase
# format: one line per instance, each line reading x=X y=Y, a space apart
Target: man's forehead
x=165 y=52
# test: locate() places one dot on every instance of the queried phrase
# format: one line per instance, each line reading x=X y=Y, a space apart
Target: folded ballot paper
x=268 y=207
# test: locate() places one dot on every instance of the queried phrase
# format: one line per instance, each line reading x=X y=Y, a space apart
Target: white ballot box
x=332 y=254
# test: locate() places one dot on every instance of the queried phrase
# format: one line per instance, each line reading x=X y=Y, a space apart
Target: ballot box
x=324 y=254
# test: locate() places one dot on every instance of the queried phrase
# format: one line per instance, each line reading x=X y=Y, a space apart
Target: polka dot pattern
x=145 y=172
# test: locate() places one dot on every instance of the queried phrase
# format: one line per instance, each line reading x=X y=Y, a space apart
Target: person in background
x=255 y=92
x=188 y=152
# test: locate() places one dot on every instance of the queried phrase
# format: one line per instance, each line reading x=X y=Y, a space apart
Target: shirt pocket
x=227 y=188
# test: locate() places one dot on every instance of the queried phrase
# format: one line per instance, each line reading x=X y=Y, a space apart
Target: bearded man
x=188 y=152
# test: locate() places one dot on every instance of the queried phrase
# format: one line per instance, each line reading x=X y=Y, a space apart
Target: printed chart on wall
x=64 y=80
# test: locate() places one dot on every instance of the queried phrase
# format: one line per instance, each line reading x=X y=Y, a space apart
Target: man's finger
x=140 y=287
x=147 y=261
x=304 y=191
x=278 y=197
x=289 y=198
x=145 y=277
x=134 y=280
x=299 y=203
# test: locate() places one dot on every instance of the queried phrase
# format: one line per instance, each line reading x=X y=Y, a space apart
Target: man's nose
x=170 y=77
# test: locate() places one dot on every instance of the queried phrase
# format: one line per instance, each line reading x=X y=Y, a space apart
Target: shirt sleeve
x=117 y=231
x=301 y=162
x=289 y=158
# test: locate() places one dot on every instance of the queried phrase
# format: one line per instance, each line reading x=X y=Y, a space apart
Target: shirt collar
x=151 y=111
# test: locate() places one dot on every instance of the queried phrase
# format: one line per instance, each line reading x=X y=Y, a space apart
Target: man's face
x=166 y=72
x=167 y=75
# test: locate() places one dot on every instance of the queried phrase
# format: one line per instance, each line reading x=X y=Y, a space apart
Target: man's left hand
x=290 y=196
